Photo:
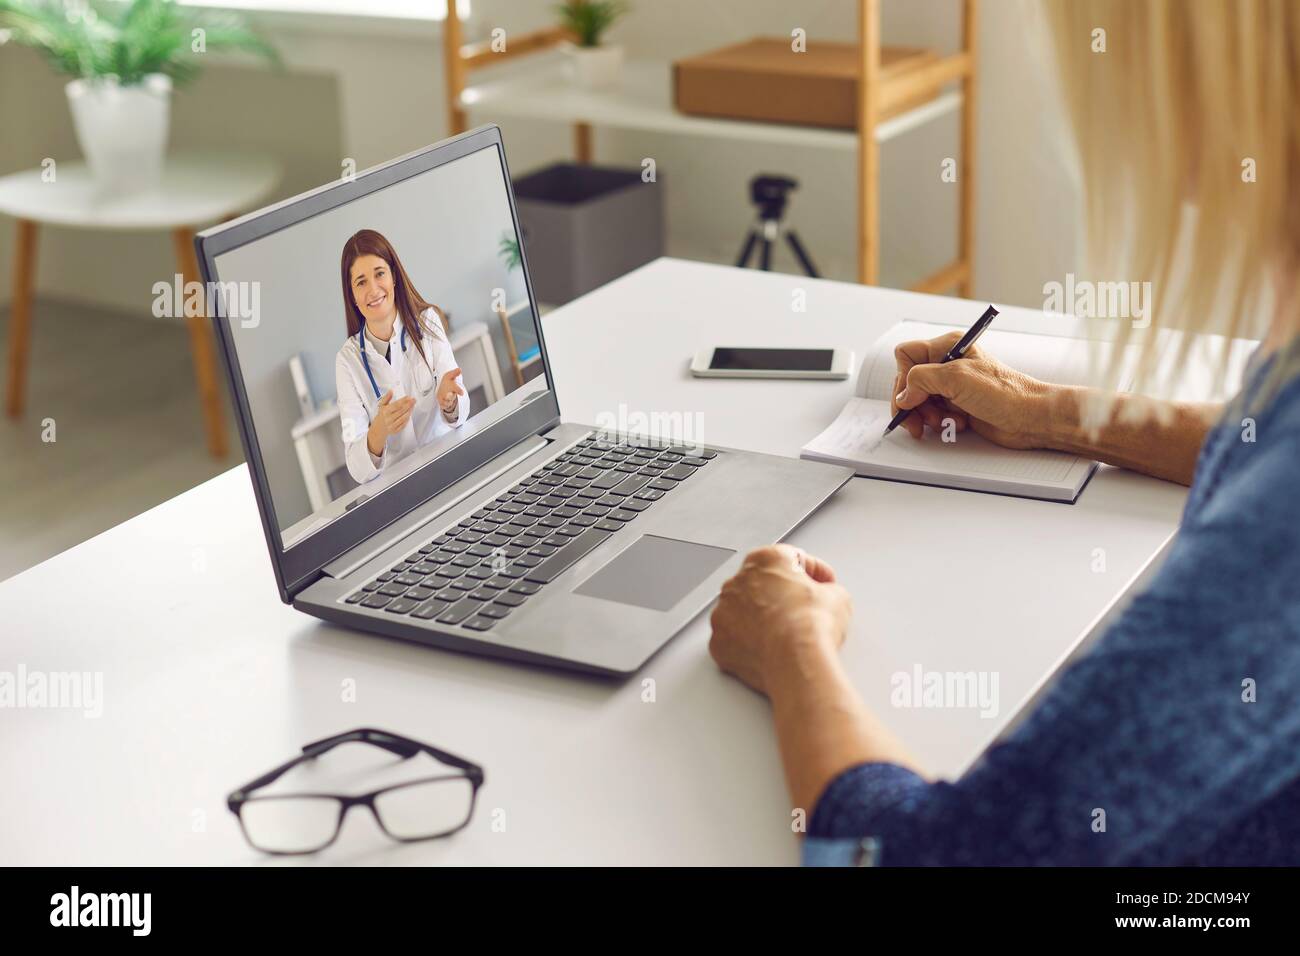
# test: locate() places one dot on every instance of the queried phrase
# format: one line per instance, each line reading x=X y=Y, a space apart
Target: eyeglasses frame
x=404 y=747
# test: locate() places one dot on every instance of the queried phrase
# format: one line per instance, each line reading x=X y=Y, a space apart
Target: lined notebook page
x=1050 y=358
x=855 y=436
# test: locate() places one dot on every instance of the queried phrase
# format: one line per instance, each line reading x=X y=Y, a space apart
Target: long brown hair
x=410 y=305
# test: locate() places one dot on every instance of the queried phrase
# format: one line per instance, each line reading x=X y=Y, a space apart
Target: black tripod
x=770 y=194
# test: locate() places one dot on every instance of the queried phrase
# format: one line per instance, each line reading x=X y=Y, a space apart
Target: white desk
x=209 y=680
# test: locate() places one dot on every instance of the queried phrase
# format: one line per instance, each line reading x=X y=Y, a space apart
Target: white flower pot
x=122 y=130
x=596 y=67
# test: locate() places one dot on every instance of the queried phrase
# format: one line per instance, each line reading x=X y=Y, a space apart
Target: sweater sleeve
x=1180 y=723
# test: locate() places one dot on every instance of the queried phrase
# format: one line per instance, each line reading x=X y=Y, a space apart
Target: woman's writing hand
x=976 y=391
x=449 y=390
x=780 y=602
x=390 y=419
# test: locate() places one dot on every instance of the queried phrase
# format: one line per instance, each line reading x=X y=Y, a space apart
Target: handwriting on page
x=856 y=433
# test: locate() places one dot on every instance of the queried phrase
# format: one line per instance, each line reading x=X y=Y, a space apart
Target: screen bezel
x=301 y=564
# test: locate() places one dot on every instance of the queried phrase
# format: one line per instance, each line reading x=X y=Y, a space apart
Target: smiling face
x=372 y=289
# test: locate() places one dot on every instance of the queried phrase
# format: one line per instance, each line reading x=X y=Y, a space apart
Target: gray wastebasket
x=585 y=225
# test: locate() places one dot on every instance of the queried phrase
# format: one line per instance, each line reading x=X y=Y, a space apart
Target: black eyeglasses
x=424 y=809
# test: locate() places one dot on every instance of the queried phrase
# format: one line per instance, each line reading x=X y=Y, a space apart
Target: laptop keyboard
x=478 y=571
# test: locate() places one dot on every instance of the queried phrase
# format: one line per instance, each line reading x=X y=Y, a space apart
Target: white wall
x=1027 y=195
x=1025 y=228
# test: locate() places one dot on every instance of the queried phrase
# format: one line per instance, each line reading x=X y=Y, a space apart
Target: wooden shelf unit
x=893 y=105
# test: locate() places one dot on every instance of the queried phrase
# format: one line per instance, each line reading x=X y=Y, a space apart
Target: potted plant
x=594 y=66
x=124 y=57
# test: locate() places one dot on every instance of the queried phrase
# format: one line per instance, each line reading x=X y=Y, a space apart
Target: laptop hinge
x=428 y=512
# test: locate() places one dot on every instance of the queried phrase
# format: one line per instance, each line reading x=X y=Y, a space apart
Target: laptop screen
x=379 y=334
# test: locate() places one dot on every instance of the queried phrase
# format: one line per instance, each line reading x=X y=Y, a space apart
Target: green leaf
x=508 y=251
x=130 y=40
x=589 y=19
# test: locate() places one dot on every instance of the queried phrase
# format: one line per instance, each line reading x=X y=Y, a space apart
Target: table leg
x=202 y=346
x=20 y=315
x=583 y=150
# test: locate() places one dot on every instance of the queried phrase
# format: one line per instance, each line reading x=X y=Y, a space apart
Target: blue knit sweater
x=1182 y=724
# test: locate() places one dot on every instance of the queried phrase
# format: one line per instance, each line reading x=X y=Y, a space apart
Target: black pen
x=957 y=351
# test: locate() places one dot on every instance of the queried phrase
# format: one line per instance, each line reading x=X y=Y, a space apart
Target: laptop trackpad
x=655 y=572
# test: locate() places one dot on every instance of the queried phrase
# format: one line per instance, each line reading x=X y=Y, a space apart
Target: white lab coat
x=406 y=374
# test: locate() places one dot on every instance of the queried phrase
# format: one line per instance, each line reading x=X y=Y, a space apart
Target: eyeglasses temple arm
x=453 y=760
x=380 y=738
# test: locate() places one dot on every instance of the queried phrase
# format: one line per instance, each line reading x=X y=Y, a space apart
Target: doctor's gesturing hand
x=390 y=419
x=449 y=392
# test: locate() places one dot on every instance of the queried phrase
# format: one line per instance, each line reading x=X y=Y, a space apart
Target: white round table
x=195 y=190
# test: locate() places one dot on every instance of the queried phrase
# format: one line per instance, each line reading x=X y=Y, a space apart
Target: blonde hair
x=1188 y=107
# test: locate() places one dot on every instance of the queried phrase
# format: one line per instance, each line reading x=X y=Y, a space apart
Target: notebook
x=968 y=462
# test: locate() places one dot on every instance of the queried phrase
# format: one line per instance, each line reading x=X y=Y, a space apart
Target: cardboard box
x=764 y=79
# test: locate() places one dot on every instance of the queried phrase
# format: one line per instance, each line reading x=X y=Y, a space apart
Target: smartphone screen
x=776 y=360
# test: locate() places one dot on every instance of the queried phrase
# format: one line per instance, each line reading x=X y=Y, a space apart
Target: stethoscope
x=361 y=341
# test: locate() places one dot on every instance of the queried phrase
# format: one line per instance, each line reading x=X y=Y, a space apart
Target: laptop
x=485 y=524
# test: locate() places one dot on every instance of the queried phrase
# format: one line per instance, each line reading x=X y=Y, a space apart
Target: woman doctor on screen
x=398 y=384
